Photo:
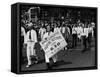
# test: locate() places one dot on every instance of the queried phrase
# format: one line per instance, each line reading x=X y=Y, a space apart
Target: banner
x=53 y=44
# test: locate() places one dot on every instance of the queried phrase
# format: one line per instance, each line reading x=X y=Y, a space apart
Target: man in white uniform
x=79 y=30
x=30 y=40
x=90 y=34
x=54 y=58
x=94 y=29
x=42 y=31
x=84 y=35
x=65 y=32
x=56 y=28
x=74 y=35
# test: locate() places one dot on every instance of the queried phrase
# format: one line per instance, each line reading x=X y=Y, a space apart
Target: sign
x=53 y=44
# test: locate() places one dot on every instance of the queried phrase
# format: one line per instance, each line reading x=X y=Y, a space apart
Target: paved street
x=70 y=58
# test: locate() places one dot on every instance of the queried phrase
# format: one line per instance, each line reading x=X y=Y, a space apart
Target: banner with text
x=53 y=44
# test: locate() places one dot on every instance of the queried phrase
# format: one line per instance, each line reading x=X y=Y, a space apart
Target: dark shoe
x=48 y=66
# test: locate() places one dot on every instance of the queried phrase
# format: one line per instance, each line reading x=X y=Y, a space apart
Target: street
x=70 y=58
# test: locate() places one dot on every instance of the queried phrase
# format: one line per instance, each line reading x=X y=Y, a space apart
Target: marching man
x=90 y=34
x=30 y=40
x=84 y=35
x=56 y=28
x=74 y=35
x=42 y=31
x=54 y=58
x=79 y=30
x=65 y=32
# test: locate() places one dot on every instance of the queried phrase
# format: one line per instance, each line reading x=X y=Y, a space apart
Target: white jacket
x=91 y=31
x=79 y=31
x=42 y=31
x=85 y=32
x=33 y=36
x=74 y=30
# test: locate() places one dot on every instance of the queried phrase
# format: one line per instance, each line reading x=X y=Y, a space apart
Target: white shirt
x=57 y=29
x=79 y=31
x=63 y=29
x=91 y=30
x=85 y=32
x=74 y=30
x=42 y=31
x=33 y=36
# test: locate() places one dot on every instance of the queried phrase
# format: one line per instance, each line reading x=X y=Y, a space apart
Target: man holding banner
x=52 y=43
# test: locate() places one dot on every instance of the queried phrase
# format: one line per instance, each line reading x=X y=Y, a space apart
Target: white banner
x=54 y=43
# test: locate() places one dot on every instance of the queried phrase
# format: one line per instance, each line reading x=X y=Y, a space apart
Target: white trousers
x=53 y=57
x=30 y=51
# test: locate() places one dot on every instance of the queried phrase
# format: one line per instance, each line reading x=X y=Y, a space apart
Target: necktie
x=83 y=30
x=30 y=35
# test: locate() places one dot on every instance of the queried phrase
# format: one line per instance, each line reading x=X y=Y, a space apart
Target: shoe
x=27 y=66
x=48 y=66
